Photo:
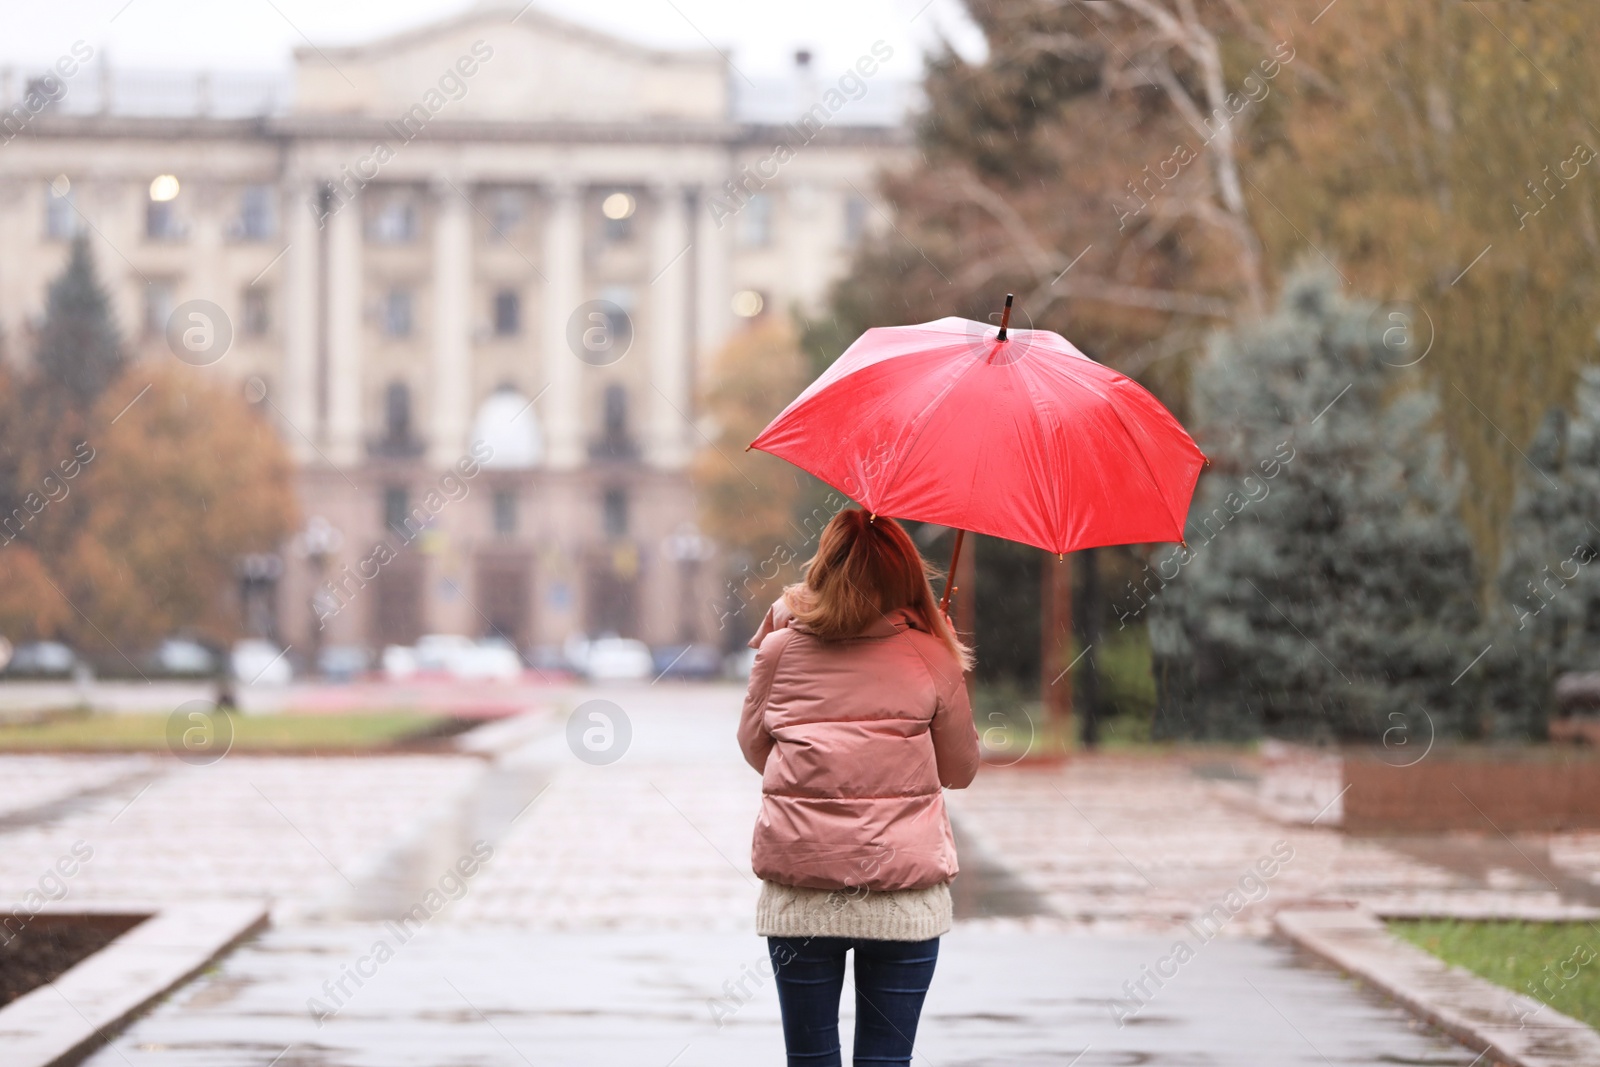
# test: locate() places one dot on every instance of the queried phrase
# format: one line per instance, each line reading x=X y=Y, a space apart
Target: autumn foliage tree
x=127 y=491
x=1449 y=159
x=751 y=503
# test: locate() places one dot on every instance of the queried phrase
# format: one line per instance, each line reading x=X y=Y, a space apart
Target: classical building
x=475 y=273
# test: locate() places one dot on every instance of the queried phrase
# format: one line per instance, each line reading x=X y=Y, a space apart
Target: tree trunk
x=1088 y=619
x=1055 y=684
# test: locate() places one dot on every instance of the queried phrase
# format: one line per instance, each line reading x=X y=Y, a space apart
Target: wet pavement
x=487 y=996
x=537 y=908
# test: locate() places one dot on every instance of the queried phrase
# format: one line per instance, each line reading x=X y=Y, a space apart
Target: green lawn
x=1558 y=963
x=87 y=733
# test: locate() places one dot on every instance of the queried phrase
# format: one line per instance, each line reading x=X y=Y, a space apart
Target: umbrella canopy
x=1015 y=434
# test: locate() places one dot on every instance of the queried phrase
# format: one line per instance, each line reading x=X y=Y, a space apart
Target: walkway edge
x=62 y=1022
x=1512 y=1029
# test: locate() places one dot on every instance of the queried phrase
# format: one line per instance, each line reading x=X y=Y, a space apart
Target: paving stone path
x=611 y=922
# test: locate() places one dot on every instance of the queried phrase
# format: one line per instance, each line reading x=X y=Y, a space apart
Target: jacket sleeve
x=754 y=740
x=955 y=738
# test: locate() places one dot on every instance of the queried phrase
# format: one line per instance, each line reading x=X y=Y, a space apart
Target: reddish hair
x=865 y=568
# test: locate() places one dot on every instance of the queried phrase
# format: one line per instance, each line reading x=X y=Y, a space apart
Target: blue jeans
x=891 y=981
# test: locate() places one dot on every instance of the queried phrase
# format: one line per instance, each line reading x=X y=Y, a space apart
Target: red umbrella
x=1012 y=433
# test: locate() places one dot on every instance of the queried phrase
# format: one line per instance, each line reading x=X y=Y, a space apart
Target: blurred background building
x=476 y=274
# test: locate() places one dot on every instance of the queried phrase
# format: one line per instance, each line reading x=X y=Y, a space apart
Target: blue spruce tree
x=1328 y=588
x=1550 y=591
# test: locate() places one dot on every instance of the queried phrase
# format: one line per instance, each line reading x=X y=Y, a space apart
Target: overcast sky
x=759 y=36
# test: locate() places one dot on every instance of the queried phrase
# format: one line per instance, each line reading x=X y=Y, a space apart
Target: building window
x=397 y=313
x=257 y=219
x=755 y=222
x=614 y=441
x=396 y=509
x=507 y=313
x=505 y=512
x=505 y=215
x=397 y=413
x=614 y=506
x=395 y=222
x=161 y=222
x=619 y=318
x=855 y=218
x=615 y=412
x=158 y=304
x=61 y=219
x=161 y=219
x=618 y=209
x=256 y=313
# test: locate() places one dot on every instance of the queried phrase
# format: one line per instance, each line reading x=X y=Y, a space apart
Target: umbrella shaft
x=950 y=577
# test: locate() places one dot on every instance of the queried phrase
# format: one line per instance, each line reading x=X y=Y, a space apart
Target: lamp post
x=317 y=543
x=687 y=547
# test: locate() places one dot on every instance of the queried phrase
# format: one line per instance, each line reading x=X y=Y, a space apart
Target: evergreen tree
x=78 y=349
x=1548 y=586
x=1328 y=587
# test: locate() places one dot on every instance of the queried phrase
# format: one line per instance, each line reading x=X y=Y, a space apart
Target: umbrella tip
x=1005 y=317
x=1207 y=459
x=1061 y=557
x=873 y=517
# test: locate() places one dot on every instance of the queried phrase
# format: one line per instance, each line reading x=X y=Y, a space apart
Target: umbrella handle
x=949 y=582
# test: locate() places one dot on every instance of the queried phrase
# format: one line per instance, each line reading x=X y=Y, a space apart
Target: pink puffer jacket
x=854 y=739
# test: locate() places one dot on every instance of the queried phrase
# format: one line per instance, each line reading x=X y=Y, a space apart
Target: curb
x=1512 y=1029
x=63 y=1021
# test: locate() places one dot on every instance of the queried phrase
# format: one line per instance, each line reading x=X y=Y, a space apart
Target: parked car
x=618 y=659
x=183 y=658
x=343 y=663
x=688 y=661
x=257 y=662
x=42 y=659
x=399 y=662
x=740 y=663
x=436 y=652
x=550 y=660
x=491 y=658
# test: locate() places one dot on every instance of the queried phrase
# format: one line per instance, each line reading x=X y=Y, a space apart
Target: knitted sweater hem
x=899 y=915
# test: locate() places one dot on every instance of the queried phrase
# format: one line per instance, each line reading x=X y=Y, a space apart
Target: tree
x=78 y=350
x=1328 y=584
x=126 y=493
x=186 y=481
x=1548 y=580
x=764 y=512
x=1450 y=161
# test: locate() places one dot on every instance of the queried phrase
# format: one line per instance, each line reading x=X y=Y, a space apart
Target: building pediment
x=512 y=63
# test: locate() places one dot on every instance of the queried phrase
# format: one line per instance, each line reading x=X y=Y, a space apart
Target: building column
x=563 y=289
x=713 y=291
x=451 y=393
x=345 y=300
x=298 y=400
x=809 y=243
x=667 y=445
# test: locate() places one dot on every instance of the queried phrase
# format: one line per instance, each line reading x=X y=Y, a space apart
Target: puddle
x=415 y=866
x=987 y=889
